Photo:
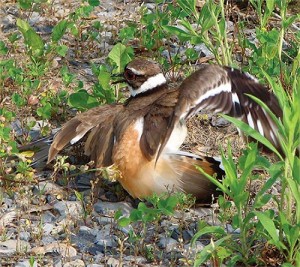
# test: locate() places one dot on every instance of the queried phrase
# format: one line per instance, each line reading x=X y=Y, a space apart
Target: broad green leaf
x=62 y=50
x=82 y=100
x=124 y=221
x=3 y=48
x=288 y=21
x=168 y=205
x=270 y=5
x=269 y=226
x=32 y=39
x=18 y=99
x=27 y=154
x=208 y=230
x=59 y=30
x=209 y=251
x=23 y=26
x=94 y=2
x=120 y=55
x=104 y=79
x=35 y=42
x=45 y=111
x=189 y=6
x=135 y=215
x=25 y=4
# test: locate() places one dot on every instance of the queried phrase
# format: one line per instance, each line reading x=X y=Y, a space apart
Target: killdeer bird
x=142 y=136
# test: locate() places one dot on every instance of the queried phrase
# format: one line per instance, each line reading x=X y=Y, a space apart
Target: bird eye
x=129 y=75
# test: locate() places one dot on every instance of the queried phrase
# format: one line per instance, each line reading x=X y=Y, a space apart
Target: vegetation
x=262 y=223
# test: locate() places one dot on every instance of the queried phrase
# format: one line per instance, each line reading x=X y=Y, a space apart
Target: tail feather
x=185 y=176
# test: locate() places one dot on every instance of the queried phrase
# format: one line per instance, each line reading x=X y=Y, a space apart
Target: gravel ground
x=44 y=224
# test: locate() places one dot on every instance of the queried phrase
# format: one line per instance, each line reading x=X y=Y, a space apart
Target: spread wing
x=224 y=90
x=98 y=123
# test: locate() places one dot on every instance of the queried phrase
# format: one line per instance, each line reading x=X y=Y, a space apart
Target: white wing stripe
x=250 y=120
x=77 y=138
x=235 y=98
x=225 y=87
x=260 y=127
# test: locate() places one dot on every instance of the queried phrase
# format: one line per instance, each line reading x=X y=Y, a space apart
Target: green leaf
x=124 y=221
x=35 y=42
x=45 y=111
x=94 y=2
x=208 y=230
x=32 y=39
x=136 y=215
x=269 y=226
x=18 y=99
x=181 y=34
x=82 y=100
x=168 y=205
x=62 y=50
x=189 y=6
x=209 y=251
x=120 y=55
x=288 y=21
x=3 y=48
x=59 y=30
x=104 y=79
x=25 y=4
x=78 y=195
x=23 y=26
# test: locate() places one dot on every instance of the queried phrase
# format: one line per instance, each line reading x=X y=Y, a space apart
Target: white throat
x=151 y=83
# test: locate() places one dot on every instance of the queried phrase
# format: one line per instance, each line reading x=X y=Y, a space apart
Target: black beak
x=120 y=76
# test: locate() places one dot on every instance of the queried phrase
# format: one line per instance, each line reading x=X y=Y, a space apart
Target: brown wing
x=156 y=123
x=224 y=90
x=98 y=118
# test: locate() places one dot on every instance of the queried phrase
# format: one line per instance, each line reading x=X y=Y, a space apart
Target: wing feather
x=98 y=118
x=224 y=90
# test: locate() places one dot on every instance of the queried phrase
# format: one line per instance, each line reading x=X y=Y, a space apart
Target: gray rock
x=48 y=217
x=7 y=202
x=47 y=228
x=195 y=248
x=109 y=208
x=26 y=263
x=48 y=240
x=230 y=229
x=74 y=263
x=219 y=122
x=24 y=236
x=106 y=238
x=86 y=241
x=135 y=259
x=12 y=246
x=111 y=262
x=150 y=6
x=203 y=50
x=35 y=18
x=168 y=244
x=69 y=208
x=104 y=220
x=8 y=23
x=85 y=229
